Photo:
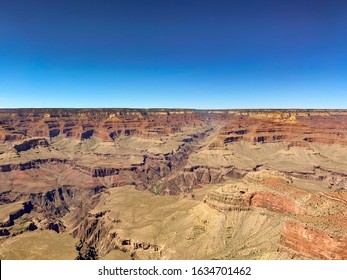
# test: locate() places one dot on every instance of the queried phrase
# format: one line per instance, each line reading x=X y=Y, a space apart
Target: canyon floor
x=173 y=184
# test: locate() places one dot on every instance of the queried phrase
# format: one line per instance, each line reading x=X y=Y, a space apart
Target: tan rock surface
x=174 y=184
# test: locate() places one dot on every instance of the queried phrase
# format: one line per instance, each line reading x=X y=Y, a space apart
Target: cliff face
x=250 y=125
x=315 y=223
x=108 y=124
x=313 y=242
x=57 y=163
x=296 y=128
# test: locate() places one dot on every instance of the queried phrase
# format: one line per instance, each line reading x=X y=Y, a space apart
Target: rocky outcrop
x=45 y=210
x=312 y=242
x=27 y=207
x=336 y=180
x=243 y=197
x=191 y=176
x=30 y=164
x=152 y=169
x=30 y=144
x=274 y=202
x=233 y=198
x=98 y=237
x=4 y=232
x=55 y=202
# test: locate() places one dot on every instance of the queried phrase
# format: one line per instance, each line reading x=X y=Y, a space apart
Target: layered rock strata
x=56 y=164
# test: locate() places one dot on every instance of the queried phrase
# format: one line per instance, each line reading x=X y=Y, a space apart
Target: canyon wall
x=56 y=164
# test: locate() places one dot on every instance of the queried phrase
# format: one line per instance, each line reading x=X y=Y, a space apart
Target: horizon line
x=172 y=108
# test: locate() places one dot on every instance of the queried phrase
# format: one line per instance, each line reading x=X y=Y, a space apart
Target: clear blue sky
x=173 y=53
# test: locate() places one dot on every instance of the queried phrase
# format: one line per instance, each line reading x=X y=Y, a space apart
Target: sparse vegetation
x=156 y=189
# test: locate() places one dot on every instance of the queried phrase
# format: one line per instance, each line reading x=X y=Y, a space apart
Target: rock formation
x=59 y=167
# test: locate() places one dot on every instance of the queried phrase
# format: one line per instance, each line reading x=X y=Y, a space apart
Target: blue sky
x=173 y=54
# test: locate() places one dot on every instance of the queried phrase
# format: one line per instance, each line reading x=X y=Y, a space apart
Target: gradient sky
x=173 y=53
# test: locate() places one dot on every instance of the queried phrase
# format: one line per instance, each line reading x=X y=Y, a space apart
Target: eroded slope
x=168 y=184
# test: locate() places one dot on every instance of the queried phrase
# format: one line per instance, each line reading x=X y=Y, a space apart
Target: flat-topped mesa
x=235 y=199
x=230 y=198
x=262 y=189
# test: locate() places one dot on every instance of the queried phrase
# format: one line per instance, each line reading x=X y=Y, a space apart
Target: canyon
x=173 y=184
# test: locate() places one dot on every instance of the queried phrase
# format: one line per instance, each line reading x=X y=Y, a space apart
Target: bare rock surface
x=173 y=184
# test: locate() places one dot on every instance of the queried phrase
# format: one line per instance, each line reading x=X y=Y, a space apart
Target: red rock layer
x=82 y=124
x=274 y=202
x=313 y=242
x=296 y=126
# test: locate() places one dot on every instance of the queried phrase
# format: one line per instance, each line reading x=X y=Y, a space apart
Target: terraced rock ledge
x=173 y=184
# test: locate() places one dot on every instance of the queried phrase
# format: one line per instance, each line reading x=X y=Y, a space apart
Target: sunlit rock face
x=182 y=178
